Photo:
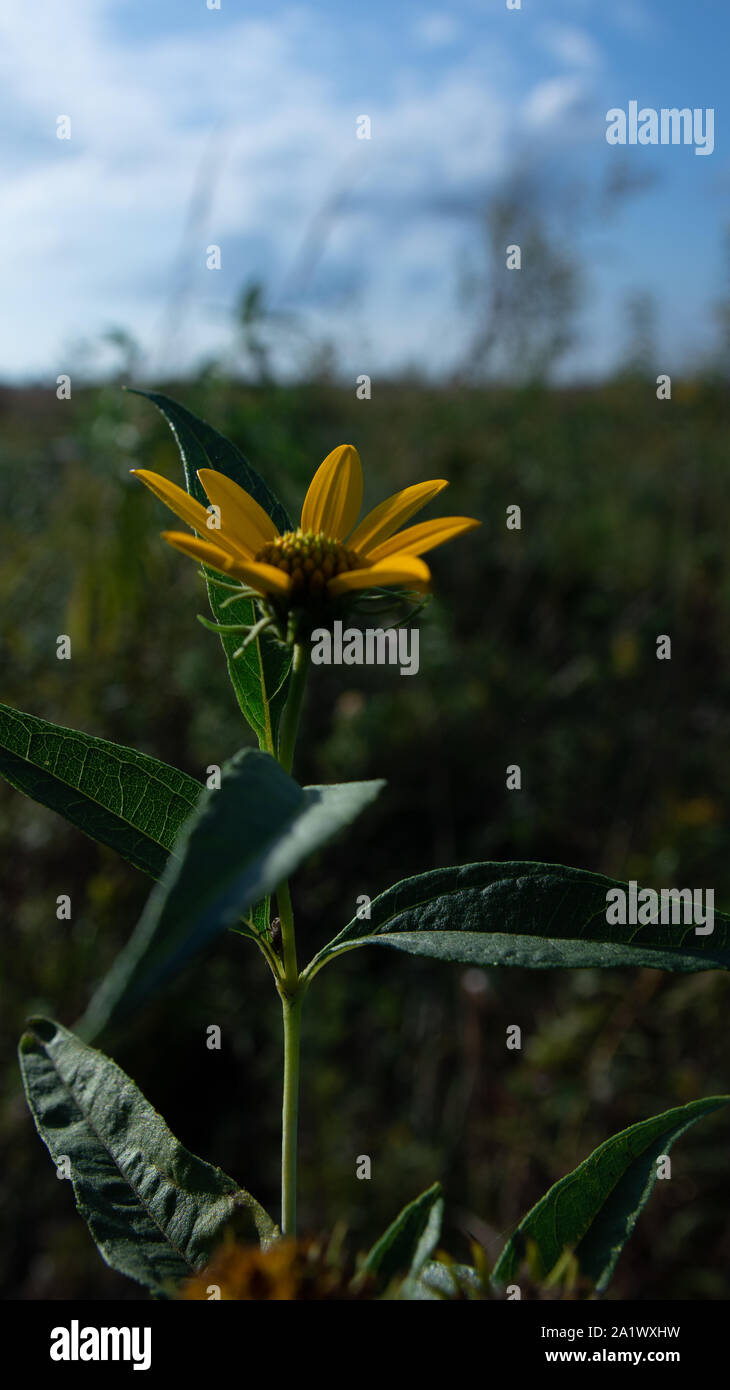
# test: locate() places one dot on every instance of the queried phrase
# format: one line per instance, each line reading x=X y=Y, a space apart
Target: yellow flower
x=328 y=556
x=289 y=1270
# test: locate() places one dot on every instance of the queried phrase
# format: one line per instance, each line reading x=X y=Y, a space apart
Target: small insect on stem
x=276 y=941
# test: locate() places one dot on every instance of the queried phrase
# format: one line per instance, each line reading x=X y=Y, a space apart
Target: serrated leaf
x=408 y=1242
x=135 y=804
x=541 y=916
x=154 y=1210
x=260 y=675
x=593 y=1210
x=243 y=840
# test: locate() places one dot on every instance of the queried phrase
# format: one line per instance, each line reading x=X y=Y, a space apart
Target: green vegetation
x=539 y=649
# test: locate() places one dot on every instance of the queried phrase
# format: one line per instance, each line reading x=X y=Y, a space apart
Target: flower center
x=310 y=558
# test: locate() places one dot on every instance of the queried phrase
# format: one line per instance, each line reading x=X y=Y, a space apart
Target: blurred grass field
x=538 y=649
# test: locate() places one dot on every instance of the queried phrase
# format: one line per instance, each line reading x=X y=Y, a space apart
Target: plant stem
x=290 y=989
x=290 y=717
x=291 y=1010
x=292 y=993
x=288 y=941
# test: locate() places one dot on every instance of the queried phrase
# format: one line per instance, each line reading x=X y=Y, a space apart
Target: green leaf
x=407 y=1243
x=154 y=1210
x=242 y=841
x=122 y=798
x=260 y=675
x=593 y=1210
x=439 y=1281
x=536 y=915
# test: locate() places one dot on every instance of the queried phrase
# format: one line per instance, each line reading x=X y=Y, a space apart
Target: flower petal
x=333 y=501
x=183 y=505
x=243 y=521
x=383 y=520
x=425 y=536
x=404 y=570
x=266 y=578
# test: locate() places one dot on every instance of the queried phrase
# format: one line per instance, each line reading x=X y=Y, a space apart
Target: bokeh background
x=340 y=257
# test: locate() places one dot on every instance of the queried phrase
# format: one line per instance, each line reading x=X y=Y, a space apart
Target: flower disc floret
x=310 y=558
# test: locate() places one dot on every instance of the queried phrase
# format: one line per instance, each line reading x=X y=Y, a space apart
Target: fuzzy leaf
x=135 y=804
x=408 y=1242
x=541 y=916
x=244 y=839
x=155 y=1211
x=593 y=1210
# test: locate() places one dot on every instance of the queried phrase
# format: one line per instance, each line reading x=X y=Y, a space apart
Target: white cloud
x=550 y=102
x=636 y=19
x=437 y=30
x=570 y=45
x=92 y=229
x=257 y=119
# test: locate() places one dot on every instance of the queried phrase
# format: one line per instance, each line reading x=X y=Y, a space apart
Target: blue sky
x=192 y=126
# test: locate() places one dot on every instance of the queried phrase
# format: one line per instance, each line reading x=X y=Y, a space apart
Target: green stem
x=292 y=994
x=291 y=1010
x=290 y=989
x=292 y=709
x=290 y=978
